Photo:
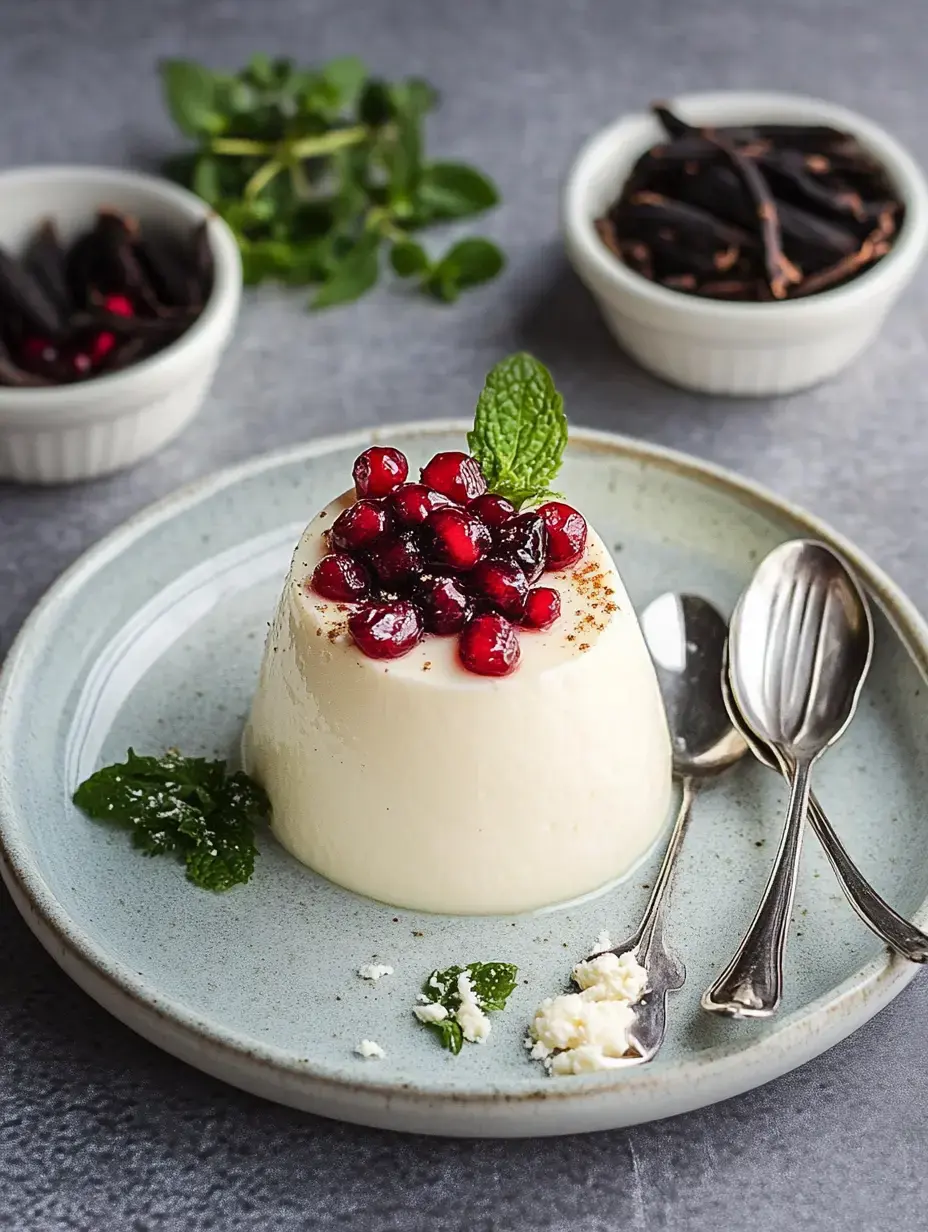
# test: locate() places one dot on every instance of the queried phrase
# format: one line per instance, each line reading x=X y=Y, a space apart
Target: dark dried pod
x=119 y=266
x=46 y=261
x=22 y=297
x=13 y=376
x=171 y=272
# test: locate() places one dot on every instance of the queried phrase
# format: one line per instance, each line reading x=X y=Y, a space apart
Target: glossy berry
x=442 y=602
x=489 y=645
x=360 y=526
x=413 y=502
x=118 y=305
x=494 y=511
x=502 y=584
x=386 y=630
x=340 y=577
x=378 y=470
x=456 y=475
x=397 y=562
x=522 y=539
x=566 y=534
x=542 y=608
x=100 y=346
x=457 y=538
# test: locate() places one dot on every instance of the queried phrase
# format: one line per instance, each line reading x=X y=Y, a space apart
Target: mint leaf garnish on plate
x=520 y=430
x=491 y=984
x=186 y=805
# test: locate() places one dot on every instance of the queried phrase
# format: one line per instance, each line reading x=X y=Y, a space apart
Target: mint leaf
x=453 y=190
x=408 y=258
x=467 y=264
x=492 y=982
x=186 y=805
x=347 y=75
x=352 y=275
x=191 y=97
x=206 y=179
x=520 y=429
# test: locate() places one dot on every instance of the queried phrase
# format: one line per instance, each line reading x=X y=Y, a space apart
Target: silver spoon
x=686 y=638
x=800 y=645
x=898 y=933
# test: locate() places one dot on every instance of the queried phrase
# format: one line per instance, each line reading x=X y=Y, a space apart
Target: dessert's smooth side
x=420 y=785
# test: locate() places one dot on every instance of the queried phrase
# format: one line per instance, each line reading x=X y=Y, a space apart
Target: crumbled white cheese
x=603 y=943
x=370 y=1050
x=434 y=1011
x=588 y=1030
x=373 y=971
x=471 y=1018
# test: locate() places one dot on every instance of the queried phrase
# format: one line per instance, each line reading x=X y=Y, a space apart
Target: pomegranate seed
x=118 y=305
x=522 y=539
x=386 y=630
x=360 y=526
x=542 y=608
x=413 y=502
x=566 y=534
x=456 y=475
x=80 y=363
x=489 y=645
x=397 y=561
x=100 y=346
x=341 y=577
x=458 y=539
x=503 y=583
x=494 y=511
x=443 y=603
x=378 y=471
x=38 y=353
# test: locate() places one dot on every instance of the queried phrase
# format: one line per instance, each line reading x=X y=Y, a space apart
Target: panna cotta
x=521 y=761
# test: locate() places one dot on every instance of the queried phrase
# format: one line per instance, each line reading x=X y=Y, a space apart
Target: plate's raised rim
x=560 y=1107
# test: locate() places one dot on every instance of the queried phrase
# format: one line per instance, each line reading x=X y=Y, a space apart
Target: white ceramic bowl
x=737 y=348
x=69 y=432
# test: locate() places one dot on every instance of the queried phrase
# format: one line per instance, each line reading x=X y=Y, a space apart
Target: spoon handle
x=751 y=986
x=876 y=913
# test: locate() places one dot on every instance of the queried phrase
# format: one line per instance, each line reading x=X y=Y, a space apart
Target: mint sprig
x=186 y=805
x=520 y=430
x=319 y=170
x=492 y=982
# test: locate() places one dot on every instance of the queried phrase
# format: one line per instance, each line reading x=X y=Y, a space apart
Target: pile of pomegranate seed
x=444 y=556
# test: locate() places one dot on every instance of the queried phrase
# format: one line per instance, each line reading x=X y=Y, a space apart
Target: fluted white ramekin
x=725 y=347
x=69 y=432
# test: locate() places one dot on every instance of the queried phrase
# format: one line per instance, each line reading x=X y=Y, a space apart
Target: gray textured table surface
x=98 y=1130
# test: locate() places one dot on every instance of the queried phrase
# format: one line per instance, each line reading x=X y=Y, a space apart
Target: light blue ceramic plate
x=154 y=638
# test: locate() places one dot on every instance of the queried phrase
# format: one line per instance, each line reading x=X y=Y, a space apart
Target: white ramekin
x=70 y=432
x=737 y=348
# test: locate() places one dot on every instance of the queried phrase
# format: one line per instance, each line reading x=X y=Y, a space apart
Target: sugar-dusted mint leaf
x=520 y=429
x=186 y=805
x=491 y=984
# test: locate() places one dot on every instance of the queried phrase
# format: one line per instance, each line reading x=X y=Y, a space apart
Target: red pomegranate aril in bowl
x=489 y=645
x=340 y=577
x=456 y=475
x=360 y=526
x=413 y=502
x=378 y=470
x=566 y=534
x=542 y=608
x=502 y=584
x=522 y=539
x=386 y=630
x=443 y=603
x=494 y=511
x=396 y=561
x=456 y=538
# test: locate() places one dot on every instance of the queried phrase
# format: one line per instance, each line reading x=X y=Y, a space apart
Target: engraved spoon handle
x=751 y=986
x=650 y=935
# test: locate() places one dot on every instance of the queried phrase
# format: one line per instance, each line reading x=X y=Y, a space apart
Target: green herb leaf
x=375 y=106
x=409 y=258
x=181 y=804
x=469 y=263
x=453 y=190
x=492 y=982
x=207 y=179
x=347 y=75
x=355 y=273
x=190 y=94
x=520 y=429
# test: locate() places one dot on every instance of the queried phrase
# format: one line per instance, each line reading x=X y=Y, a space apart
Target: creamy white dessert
x=417 y=783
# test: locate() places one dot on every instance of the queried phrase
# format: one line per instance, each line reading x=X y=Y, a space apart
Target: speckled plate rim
x=602 y=1102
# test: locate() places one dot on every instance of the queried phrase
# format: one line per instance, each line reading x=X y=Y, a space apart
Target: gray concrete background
x=98 y=1130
